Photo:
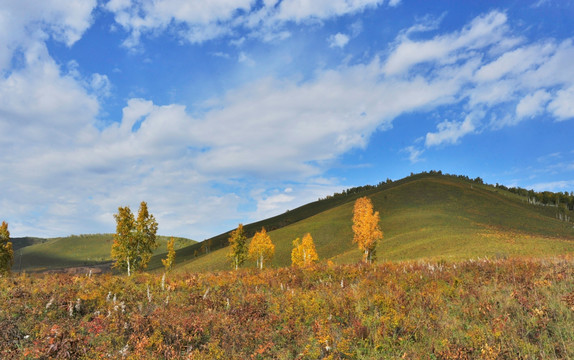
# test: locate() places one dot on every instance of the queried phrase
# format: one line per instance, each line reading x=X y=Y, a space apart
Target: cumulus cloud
x=450 y=132
x=491 y=70
x=338 y=40
x=271 y=130
x=27 y=23
x=562 y=106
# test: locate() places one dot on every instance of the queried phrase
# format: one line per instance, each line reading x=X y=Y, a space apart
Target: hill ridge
x=433 y=200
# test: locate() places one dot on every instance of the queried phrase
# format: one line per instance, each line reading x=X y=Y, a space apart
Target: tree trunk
x=129 y=270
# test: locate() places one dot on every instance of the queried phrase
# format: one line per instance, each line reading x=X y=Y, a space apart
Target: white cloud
x=450 y=132
x=515 y=62
x=303 y=125
x=201 y=21
x=338 y=40
x=303 y=10
x=25 y=24
x=244 y=58
x=552 y=186
x=481 y=32
x=414 y=154
x=101 y=85
x=562 y=106
x=532 y=104
x=268 y=131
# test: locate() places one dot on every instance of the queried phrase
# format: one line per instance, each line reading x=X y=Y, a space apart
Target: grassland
x=519 y=308
x=424 y=217
x=74 y=251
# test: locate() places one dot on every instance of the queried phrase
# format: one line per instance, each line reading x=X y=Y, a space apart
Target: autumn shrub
x=499 y=309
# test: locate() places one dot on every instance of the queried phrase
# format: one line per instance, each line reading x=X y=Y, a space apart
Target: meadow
x=516 y=308
x=425 y=216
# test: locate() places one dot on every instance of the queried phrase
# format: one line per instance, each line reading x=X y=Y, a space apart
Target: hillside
x=72 y=251
x=423 y=216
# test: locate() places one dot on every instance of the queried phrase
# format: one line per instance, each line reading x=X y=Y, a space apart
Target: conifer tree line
x=564 y=199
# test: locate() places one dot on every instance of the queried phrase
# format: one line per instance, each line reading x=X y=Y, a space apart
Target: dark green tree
x=6 y=252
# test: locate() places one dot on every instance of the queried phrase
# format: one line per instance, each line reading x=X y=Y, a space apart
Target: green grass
x=423 y=216
x=75 y=250
x=433 y=217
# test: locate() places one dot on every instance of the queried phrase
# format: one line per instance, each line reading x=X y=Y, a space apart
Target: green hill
x=423 y=216
x=72 y=251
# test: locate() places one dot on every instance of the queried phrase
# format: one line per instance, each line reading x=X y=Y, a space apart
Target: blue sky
x=226 y=111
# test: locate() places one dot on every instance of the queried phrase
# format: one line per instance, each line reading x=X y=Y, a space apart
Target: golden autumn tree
x=238 y=247
x=6 y=252
x=366 y=228
x=261 y=249
x=304 y=253
x=170 y=259
x=135 y=239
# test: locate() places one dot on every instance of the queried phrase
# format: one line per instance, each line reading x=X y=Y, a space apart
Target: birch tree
x=238 y=247
x=304 y=252
x=170 y=259
x=261 y=249
x=134 y=240
x=366 y=228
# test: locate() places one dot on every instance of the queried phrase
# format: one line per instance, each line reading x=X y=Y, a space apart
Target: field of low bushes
x=490 y=309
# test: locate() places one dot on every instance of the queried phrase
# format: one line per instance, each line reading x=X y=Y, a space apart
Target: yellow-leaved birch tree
x=366 y=228
x=261 y=249
x=304 y=252
x=170 y=259
x=135 y=239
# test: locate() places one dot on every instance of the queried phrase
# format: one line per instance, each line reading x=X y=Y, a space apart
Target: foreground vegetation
x=503 y=308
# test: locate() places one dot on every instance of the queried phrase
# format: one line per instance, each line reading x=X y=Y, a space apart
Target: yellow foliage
x=261 y=249
x=169 y=261
x=304 y=253
x=366 y=228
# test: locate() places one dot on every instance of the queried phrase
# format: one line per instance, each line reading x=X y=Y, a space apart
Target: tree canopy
x=170 y=259
x=304 y=252
x=238 y=247
x=366 y=228
x=261 y=249
x=6 y=252
x=134 y=240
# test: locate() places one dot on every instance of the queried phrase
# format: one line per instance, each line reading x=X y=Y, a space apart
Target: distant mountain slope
x=21 y=242
x=422 y=216
x=72 y=251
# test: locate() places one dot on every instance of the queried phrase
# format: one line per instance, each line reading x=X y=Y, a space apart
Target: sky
x=219 y=112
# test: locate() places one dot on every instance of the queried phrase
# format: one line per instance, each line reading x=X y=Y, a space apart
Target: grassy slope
x=426 y=217
x=75 y=251
x=21 y=242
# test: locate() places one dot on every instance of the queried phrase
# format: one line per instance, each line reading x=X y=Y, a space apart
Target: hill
x=430 y=216
x=72 y=251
